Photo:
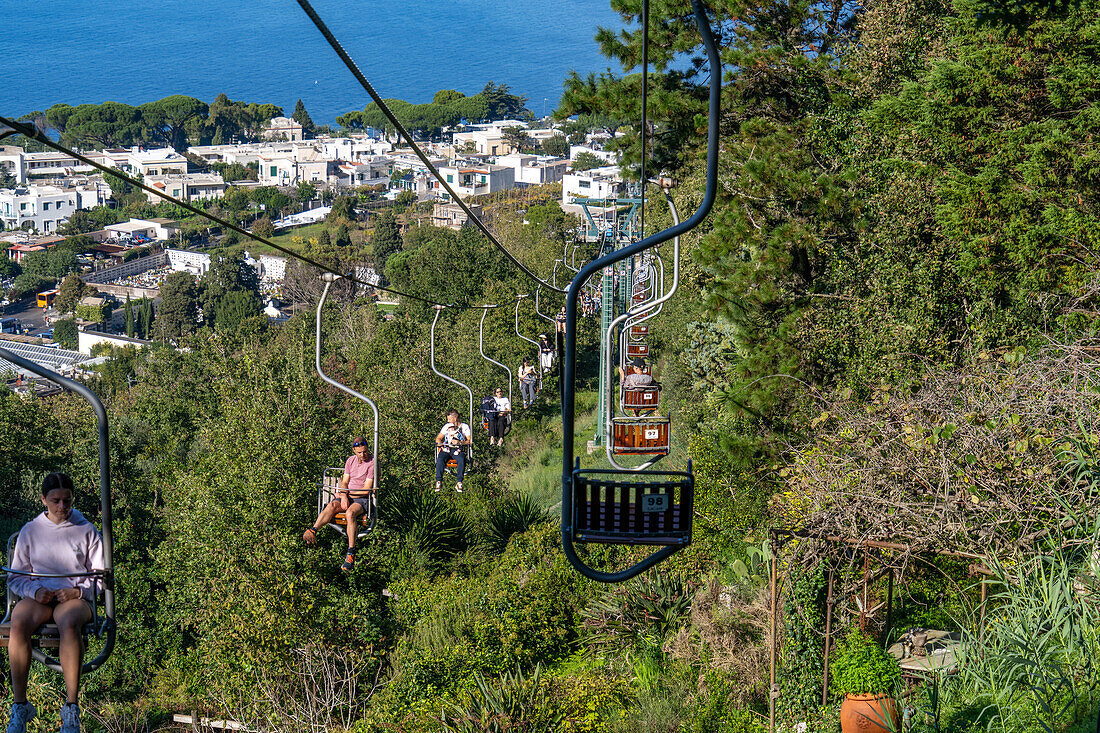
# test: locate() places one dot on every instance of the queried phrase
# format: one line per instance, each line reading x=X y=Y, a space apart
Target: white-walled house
x=282 y=128
x=186 y=187
x=597 y=183
x=475 y=180
x=46 y=207
x=159 y=162
x=534 y=170
x=608 y=156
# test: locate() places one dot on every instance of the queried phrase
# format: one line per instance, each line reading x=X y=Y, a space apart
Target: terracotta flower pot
x=869 y=714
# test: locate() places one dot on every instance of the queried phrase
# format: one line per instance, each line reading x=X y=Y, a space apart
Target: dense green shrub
x=859 y=666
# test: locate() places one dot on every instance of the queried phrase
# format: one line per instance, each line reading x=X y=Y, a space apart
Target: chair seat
x=46 y=636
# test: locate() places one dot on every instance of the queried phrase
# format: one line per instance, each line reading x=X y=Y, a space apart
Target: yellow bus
x=45 y=300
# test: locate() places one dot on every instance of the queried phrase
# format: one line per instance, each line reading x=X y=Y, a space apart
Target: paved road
x=28 y=314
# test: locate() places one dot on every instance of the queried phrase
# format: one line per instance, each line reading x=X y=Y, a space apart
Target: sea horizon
x=268 y=51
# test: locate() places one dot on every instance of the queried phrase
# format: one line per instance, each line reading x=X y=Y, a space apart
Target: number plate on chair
x=654 y=502
x=652 y=434
x=647 y=396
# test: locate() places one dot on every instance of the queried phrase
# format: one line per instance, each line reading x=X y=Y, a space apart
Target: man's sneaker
x=458 y=487
x=70 y=718
x=21 y=714
x=438 y=486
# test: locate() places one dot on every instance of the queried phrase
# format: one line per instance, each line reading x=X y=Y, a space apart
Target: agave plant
x=640 y=614
x=516 y=514
x=513 y=704
x=433 y=528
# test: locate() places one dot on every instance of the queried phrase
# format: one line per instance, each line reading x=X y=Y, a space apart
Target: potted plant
x=869 y=678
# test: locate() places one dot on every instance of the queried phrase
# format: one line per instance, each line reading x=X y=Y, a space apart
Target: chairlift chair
x=637 y=350
x=103 y=624
x=642 y=397
x=615 y=495
x=452 y=464
x=644 y=509
x=330 y=478
x=330 y=482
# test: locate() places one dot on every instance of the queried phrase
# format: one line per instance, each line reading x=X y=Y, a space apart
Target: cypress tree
x=129 y=318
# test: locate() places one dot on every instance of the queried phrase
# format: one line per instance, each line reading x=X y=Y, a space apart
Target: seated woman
x=498 y=423
x=546 y=353
x=528 y=383
x=451 y=442
x=59 y=541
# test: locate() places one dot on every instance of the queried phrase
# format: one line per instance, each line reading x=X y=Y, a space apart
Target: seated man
x=637 y=378
x=353 y=497
x=450 y=443
x=59 y=541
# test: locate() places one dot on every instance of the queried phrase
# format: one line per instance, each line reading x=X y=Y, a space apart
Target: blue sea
x=136 y=51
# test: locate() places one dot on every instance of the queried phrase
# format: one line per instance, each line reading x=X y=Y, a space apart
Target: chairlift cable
x=33 y=133
x=354 y=69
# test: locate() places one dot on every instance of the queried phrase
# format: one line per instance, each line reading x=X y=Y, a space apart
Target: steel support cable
x=569 y=357
x=37 y=135
x=354 y=69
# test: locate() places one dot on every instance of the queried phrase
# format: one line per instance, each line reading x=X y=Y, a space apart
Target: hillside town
x=130 y=260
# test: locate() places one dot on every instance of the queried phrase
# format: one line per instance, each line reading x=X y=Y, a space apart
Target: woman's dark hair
x=526 y=361
x=56 y=480
x=452 y=411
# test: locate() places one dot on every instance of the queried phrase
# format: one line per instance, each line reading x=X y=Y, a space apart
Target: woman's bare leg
x=26 y=617
x=70 y=617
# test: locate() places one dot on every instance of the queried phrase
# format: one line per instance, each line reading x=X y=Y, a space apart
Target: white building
x=282 y=128
x=608 y=156
x=159 y=162
x=153 y=230
x=186 y=187
x=475 y=180
x=45 y=207
x=180 y=260
x=534 y=170
x=597 y=183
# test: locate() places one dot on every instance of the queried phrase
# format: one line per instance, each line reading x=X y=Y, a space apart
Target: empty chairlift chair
x=652 y=508
x=632 y=506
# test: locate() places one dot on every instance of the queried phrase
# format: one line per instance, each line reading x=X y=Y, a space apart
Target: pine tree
x=302 y=118
x=129 y=317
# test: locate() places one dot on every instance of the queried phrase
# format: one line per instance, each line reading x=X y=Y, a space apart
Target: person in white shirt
x=451 y=443
x=59 y=541
x=499 y=422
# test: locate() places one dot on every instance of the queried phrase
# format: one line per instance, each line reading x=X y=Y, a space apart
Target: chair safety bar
x=569 y=355
x=481 y=348
x=110 y=627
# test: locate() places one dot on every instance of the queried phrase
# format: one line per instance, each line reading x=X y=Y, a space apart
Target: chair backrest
x=641 y=398
x=637 y=350
x=640 y=436
x=653 y=508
